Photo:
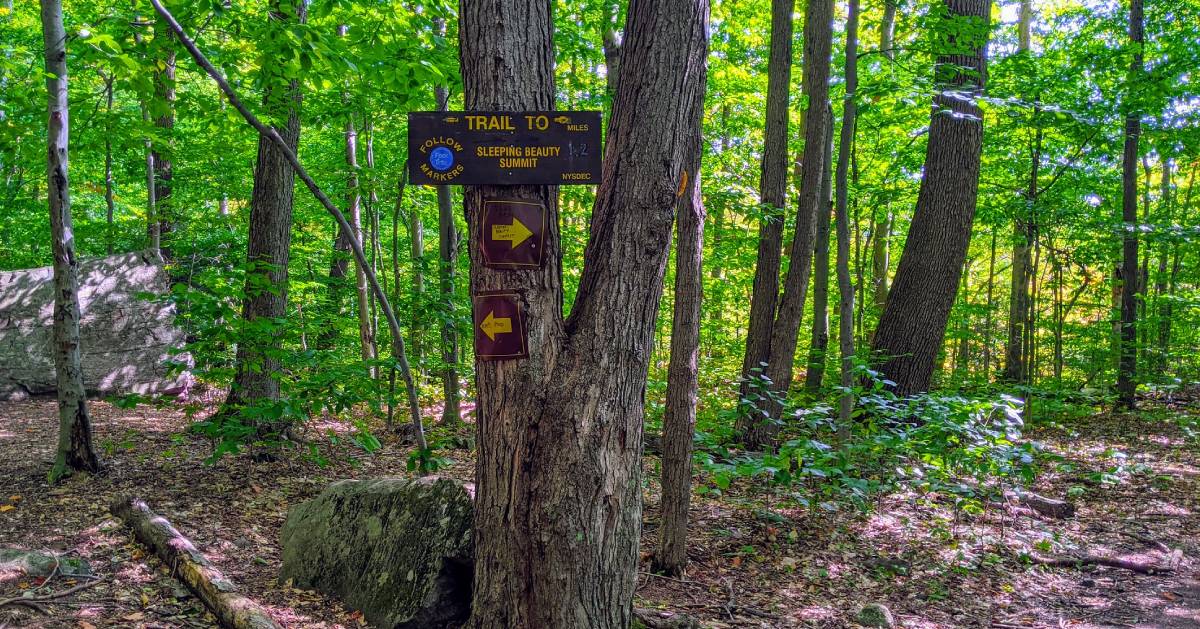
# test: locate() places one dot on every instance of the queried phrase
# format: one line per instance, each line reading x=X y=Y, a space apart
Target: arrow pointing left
x=493 y=325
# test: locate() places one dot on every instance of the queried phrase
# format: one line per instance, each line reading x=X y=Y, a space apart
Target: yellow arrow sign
x=516 y=233
x=493 y=325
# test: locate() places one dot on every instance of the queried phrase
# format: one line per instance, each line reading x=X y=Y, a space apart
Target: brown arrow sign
x=499 y=326
x=514 y=233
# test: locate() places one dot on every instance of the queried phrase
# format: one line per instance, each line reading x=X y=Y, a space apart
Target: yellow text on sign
x=505 y=123
x=493 y=325
x=516 y=233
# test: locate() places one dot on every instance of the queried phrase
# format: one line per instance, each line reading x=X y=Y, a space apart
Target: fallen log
x=1049 y=507
x=231 y=609
x=661 y=619
x=1100 y=560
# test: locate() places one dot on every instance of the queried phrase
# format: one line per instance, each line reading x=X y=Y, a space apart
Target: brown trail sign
x=505 y=148
x=499 y=326
x=513 y=234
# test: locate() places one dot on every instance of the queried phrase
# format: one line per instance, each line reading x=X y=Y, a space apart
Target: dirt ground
x=755 y=563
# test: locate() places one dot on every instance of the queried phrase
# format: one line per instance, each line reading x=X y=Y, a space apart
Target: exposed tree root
x=33 y=602
x=232 y=610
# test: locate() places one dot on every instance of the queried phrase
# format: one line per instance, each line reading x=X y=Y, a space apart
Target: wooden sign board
x=499 y=326
x=504 y=148
x=514 y=234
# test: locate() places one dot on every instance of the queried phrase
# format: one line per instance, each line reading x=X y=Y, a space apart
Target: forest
x=599 y=313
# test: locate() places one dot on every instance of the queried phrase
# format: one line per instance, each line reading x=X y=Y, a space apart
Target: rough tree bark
x=914 y=321
x=257 y=363
x=679 y=418
x=1127 y=362
x=558 y=504
x=75 y=452
x=773 y=198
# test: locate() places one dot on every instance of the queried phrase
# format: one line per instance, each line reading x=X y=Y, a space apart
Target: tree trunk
x=1020 y=311
x=447 y=271
x=416 y=233
x=819 y=344
x=785 y=331
x=881 y=247
x=1161 y=305
x=1127 y=367
x=887 y=29
x=109 y=203
x=162 y=221
x=257 y=363
x=558 y=503
x=354 y=202
x=845 y=287
x=1016 y=358
x=914 y=321
x=679 y=418
x=398 y=354
x=1165 y=329
x=773 y=198
x=991 y=307
x=75 y=452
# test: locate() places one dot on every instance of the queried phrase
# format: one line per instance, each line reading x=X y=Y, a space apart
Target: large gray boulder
x=398 y=549
x=126 y=341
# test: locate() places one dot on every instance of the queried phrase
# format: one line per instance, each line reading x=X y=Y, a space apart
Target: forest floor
x=1135 y=479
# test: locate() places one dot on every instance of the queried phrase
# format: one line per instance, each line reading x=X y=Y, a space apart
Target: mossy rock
x=397 y=549
x=875 y=615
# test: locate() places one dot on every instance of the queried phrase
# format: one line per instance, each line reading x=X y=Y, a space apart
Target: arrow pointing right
x=516 y=233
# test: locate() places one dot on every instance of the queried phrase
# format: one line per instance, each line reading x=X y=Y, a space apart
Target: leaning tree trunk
x=914 y=321
x=679 y=419
x=558 y=503
x=356 y=249
x=75 y=451
x=1127 y=362
x=773 y=198
x=257 y=363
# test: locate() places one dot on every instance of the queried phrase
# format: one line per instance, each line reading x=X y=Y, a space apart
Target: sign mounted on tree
x=513 y=234
x=499 y=326
x=504 y=148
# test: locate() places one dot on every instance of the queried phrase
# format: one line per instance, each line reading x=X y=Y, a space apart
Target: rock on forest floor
x=756 y=562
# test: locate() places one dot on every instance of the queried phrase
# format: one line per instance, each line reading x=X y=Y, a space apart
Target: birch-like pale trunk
x=75 y=452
